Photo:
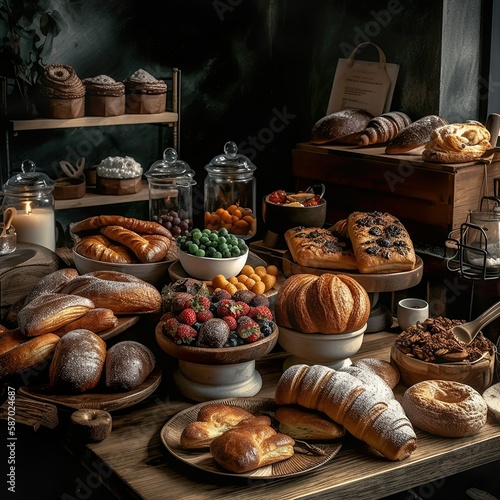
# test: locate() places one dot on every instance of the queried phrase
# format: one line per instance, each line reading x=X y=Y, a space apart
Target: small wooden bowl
x=213 y=356
x=69 y=188
x=478 y=375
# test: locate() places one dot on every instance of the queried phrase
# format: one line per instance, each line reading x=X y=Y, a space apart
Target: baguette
x=380 y=423
x=137 y=225
x=96 y=320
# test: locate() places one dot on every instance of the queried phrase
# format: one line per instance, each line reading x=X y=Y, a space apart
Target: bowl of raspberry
x=216 y=339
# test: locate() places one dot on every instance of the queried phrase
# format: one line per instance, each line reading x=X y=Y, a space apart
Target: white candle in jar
x=35 y=225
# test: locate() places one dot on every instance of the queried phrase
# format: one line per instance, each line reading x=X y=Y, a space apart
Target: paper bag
x=365 y=85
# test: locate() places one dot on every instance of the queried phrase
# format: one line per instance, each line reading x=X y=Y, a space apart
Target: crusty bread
x=78 y=362
x=98 y=247
x=96 y=320
x=138 y=225
x=380 y=242
x=457 y=143
x=301 y=423
x=341 y=127
x=248 y=447
x=416 y=134
x=320 y=248
x=213 y=420
x=383 y=128
x=328 y=304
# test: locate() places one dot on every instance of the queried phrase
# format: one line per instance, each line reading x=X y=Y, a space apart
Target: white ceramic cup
x=411 y=311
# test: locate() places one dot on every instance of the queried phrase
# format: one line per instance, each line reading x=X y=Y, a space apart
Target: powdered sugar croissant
x=383 y=128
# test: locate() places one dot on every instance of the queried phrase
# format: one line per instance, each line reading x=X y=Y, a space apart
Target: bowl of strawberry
x=216 y=339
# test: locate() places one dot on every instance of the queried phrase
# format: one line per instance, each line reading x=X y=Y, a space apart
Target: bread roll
x=248 y=447
x=380 y=423
x=22 y=352
x=49 y=312
x=213 y=420
x=329 y=304
x=416 y=134
x=96 y=320
x=380 y=242
x=457 y=143
x=341 y=127
x=120 y=292
x=78 y=362
x=98 y=247
x=128 y=365
x=300 y=423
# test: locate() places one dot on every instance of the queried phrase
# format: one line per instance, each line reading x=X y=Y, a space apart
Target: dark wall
x=257 y=72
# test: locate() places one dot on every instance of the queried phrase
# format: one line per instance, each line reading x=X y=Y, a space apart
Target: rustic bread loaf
x=342 y=127
x=329 y=304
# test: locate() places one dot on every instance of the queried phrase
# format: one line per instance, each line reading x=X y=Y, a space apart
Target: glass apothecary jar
x=170 y=183
x=30 y=193
x=230 y=193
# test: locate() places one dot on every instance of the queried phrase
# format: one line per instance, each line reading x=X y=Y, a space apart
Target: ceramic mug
x=411 y=311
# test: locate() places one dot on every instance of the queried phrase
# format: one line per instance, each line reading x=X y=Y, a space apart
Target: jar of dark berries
x=170 y=183
x=230 y=193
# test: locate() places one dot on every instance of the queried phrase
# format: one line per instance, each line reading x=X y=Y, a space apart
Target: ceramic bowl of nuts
x=428 y=351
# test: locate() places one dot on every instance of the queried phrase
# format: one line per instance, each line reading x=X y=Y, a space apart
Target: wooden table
x=134 y=463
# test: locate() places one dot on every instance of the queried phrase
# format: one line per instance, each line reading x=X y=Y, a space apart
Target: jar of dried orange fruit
x=230 y=193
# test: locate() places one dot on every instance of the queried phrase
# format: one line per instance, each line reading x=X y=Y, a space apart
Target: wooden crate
x=430 y=199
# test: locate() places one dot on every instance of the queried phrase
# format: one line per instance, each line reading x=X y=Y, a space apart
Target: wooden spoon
x=8 y=215
x=467 y=332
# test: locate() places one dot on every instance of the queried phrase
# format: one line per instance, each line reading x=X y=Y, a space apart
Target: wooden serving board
x=390 y=282
x=124 y=322
x=97 y=399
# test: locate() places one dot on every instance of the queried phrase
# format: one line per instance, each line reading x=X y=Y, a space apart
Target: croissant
x=98 y=247
x=150 y=249
x=383 y=128
x=365 y=413
x=137 y=225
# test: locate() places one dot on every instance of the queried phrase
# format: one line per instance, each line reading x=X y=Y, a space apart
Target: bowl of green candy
x=206 y=253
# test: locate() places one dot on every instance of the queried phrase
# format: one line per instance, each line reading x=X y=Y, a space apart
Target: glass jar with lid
x=170 y=183
x=230 y=193
x=30 y=194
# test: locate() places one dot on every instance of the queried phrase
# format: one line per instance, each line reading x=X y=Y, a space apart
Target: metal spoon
x=467 y=332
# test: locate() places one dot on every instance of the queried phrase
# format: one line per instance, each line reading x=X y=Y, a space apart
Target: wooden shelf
x=93 y=199
x=94 y=121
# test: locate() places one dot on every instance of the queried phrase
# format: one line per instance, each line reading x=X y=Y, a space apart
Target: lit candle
x=36 y=226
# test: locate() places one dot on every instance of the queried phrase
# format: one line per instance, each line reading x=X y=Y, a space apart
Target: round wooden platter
x=389 y=282
x=176 y=271
x=307 y=456
x=97 y=399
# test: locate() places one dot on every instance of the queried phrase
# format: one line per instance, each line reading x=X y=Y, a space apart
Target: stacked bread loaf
x=363 y=410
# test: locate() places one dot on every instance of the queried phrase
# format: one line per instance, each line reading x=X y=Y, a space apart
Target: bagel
x=445 y=408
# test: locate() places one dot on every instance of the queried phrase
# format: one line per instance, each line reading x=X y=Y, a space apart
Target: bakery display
x=342 y=127
x=457 y=143
x=119 y=175
x=344 y=398
x=327 y=304
x=104 y=96
x=415 y=135
x=144 y=93
x=445 y=408
x=63 y=92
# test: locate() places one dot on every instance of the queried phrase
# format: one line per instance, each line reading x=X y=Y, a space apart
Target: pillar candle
x=35 y=225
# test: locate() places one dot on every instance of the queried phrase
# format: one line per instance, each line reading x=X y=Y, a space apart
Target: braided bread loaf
x=378 y=421
x=383 y=128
